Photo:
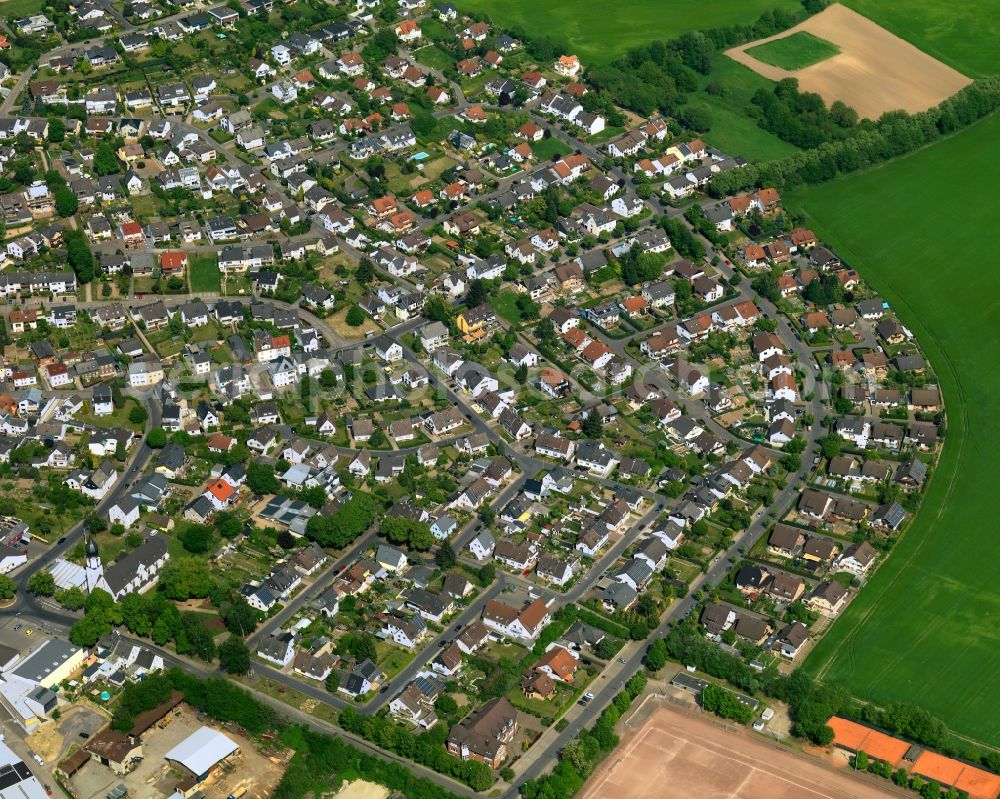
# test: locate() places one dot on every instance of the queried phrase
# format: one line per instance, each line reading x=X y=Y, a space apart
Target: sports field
x=794 y=52
x=925 y=628
x=962 y=35
x=600 y=32
x=676 y=755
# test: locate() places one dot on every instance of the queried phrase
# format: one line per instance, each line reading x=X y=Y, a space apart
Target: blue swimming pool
x=419 y=157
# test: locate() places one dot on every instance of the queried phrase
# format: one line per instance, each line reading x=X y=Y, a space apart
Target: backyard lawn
x=548 y=148
x=924 y=629
x=434 y=57
x=204 y=273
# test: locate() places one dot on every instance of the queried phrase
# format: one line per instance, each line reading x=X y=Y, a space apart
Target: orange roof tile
x=383 y=204
x=221 y=490
x=562 y=663
x=173 y=259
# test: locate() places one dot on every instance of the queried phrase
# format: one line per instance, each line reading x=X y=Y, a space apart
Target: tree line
x=427 y=748
x=320 y=762
x=580 y=756
x=659 y=76
x=811 y=703
x=894 y=134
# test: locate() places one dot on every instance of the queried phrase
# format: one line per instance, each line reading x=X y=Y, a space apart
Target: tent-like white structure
x=202 y=750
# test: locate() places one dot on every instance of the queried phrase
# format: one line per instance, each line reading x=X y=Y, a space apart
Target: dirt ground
x=340 y=327
x=874 y=72
x=673 y=754
x=53 y=739
x=359 y=789
x=251 y=770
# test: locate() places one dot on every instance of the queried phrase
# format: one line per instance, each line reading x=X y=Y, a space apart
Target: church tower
x=95 y=571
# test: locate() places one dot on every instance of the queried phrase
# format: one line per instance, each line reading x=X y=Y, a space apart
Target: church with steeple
x=133 y=572
x=95 y=569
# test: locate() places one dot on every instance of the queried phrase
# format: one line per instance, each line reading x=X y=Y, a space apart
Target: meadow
x=924 y=629
x=962 y=35
x=726 y=93
x=799 y=50
x=600 y=34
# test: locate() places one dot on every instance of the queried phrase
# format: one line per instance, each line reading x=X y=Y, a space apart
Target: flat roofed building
x=50 y=664
x=16 y=779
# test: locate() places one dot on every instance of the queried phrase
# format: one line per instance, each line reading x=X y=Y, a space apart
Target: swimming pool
x=419 y=156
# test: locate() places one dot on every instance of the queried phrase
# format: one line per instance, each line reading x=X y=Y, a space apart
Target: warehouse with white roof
x=202 y=751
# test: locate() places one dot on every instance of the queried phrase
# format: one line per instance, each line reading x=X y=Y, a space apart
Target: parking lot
x=21 y=635
x=77 y=722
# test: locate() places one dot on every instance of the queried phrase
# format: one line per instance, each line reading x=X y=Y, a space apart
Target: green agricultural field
x=797 y=51
x=962 y=35
x=16 y=9
x=924 y=630
x=599 y=33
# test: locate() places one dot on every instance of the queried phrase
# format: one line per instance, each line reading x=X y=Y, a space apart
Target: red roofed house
x=408 y=30
x=474 y=113
x=173 y=261
x=768 y=199
x=531 y=132
x=220 y=493
x=521 y=153
x=802 y=239
x=58 y=375
x=221 y=443
x=383 y=207
x=470 y=67
x=635 y=307
x=438 y=95
x=423 y=198
x=132 y=234
x=568 y=66
x=535 y=80
x=559 y=664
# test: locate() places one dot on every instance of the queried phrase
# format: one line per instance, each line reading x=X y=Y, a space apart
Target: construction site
x=173 y=750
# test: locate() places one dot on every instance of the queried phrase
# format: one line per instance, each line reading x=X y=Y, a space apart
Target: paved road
x=25 y=601
x=540 y=757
